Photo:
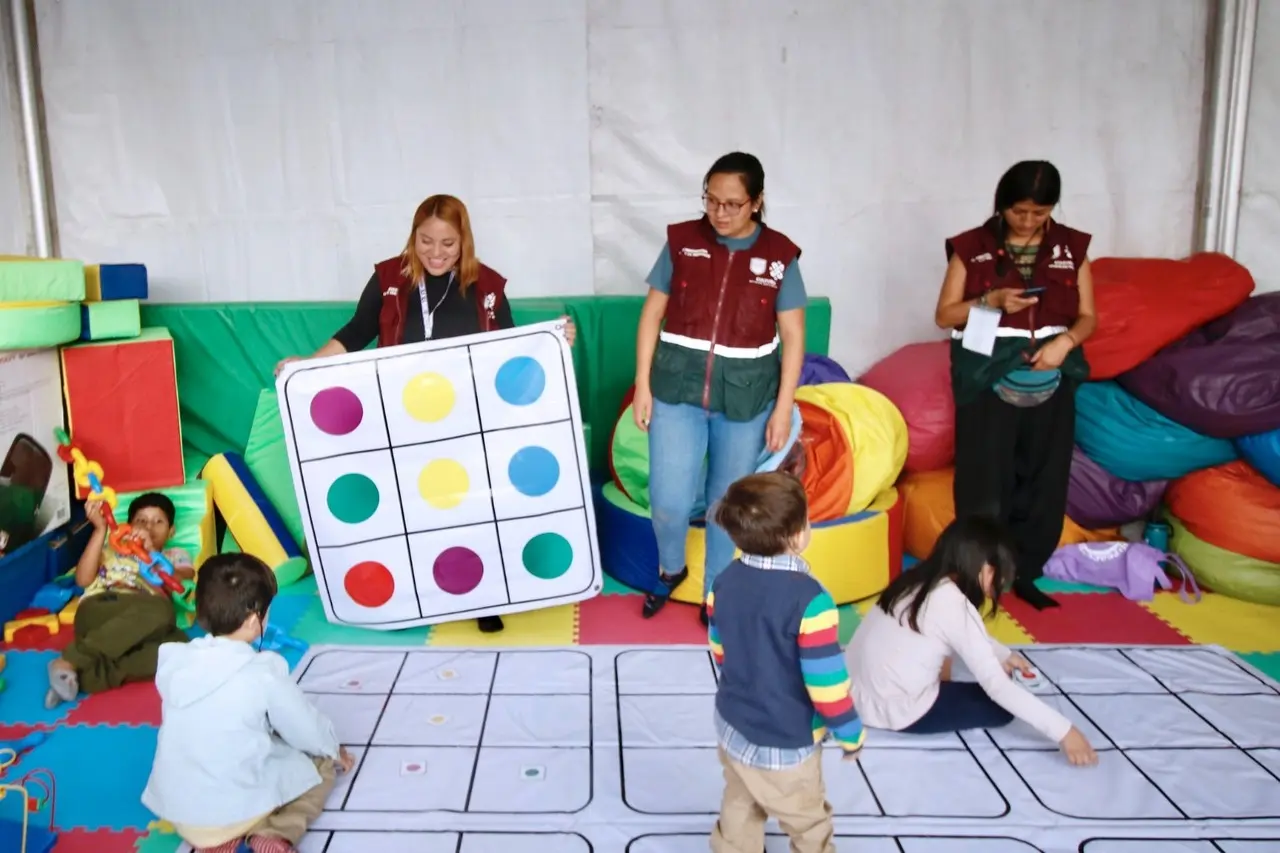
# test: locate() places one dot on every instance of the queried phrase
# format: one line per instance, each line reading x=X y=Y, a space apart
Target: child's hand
x=143 y=537
x=345 y=760
x=93 y=511
x=1078 y=750
x=1017 y=662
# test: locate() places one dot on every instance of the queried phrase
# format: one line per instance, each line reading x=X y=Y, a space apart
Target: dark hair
x=229 y=589
x=962 y=551
x=748 y=168
x=1036 y=181
x=154 y=500
x=762 y=513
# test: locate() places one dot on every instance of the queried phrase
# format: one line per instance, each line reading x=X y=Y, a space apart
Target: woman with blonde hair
x=435 y=289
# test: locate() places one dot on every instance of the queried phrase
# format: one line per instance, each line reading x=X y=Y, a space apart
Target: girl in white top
x=900 y=656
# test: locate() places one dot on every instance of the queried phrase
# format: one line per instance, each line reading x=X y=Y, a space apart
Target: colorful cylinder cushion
x=1263 y=453
x=1145 y=304
x=875 y=429
x=1223 y=379
x=917 y=378
x=1225 y=572
x=250 y=517
x=1231 y=506
x=1133 y=441
x=1096 y=499
x=38 y=325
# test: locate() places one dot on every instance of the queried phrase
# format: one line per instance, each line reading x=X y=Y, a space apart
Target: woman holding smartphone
x=1023 y=279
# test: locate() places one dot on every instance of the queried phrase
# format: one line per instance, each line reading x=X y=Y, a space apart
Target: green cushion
x=24 y=279
x=267 y=459
x=193 y=525
x=38 y=325
x=103 y=321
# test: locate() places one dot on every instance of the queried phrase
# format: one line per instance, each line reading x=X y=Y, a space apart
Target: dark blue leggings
x=960 y=705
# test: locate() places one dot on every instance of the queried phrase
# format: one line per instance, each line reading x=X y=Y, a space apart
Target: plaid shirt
x=737 y=747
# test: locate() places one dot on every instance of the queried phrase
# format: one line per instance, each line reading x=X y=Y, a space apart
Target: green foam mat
x=104 y=321
x=38 y=325
x=24 y=279
x=267 y=459
x=192 y=524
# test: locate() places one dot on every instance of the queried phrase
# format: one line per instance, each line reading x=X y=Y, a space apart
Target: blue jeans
x=680 y=438
x=960 y=705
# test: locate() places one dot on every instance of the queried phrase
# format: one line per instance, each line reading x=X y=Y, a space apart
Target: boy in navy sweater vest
x=774 y=633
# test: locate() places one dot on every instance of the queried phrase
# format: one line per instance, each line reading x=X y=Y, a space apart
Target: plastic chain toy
x=153 y=566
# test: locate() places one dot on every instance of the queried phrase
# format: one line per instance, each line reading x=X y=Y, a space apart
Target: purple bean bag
x=1095 y=499
x=819 y=370
x=1223 y=379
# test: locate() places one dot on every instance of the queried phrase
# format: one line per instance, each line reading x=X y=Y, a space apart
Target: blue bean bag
x=1262 y=451
x=1133 y=441
x=819 y=370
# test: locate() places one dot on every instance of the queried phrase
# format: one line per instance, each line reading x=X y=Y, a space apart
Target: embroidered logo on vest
x=393 y=291
x=980 y=259
x=695 y=253
x=490 y=300
x=1059 y=263
x=776 y=269
x=758 y=266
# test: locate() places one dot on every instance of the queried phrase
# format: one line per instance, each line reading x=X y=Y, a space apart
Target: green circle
x=353 y=498
x=547 y=556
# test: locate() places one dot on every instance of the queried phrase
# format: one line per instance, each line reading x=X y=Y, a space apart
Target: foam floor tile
x=1268 y=663
x=1091 y=619
x=312 y=627
x=102 y=793
x=38 y=639
x=849 y=621
x=26 y=677
x=1217 y=620
x=612 y=619
x=554 y=626
x=616 y=587
x=131 y=705
x=100 y=841
x=1051 y=586
x=158 y=842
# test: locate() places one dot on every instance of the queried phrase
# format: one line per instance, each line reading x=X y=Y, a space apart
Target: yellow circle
x=443 y=483
x=428 y=397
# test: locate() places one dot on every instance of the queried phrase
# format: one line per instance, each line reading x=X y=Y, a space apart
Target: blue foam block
x=123 y=281
x=26 y=676
x=85 y=800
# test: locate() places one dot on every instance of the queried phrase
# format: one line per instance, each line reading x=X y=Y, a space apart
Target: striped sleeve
x=825 y=676
x=713 y=636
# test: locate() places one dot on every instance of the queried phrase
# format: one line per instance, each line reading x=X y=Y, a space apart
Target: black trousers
x=1014 y=464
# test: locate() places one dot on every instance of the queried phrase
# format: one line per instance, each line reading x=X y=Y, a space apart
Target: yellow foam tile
x=554 y=626
x=1240 y=626
x=1002 y=626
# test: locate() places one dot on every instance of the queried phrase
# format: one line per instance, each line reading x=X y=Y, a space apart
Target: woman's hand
x=642 y=408
x=280 y=364
x=570 y=330
x=778 y=429
x=1051 y=355
x=1010 y=299
x=1077 y=749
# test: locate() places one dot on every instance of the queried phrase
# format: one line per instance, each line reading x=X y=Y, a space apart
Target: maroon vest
x=396 y=290
x=725 y=297
x=1057 y=268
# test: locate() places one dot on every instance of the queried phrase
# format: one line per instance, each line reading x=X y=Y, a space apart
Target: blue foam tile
x=84 y=801
x=287 y=610
x=123 y=281
x=39 y=838
x=26 y=679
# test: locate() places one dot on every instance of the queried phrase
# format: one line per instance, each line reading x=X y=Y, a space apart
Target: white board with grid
x=445 y=480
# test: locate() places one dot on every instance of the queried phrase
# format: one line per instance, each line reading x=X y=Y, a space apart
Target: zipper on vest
x=715 y=327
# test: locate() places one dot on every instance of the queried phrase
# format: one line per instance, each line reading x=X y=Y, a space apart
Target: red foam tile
x=36 y=638
x=135 y=704
x=18 y=732
x=616 y=620
x=97 y=841
x=1092 y=618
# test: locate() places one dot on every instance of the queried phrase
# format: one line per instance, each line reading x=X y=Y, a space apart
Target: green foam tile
x=1050 y=586
x=158 y=842
x=617 y=587
x=1267 y=662
x=314 y=629
x=849 y=621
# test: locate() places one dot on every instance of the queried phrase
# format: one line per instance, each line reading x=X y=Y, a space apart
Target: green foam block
x=24 y=279
x=267 y=459
x=104 y=321
x=36 y=325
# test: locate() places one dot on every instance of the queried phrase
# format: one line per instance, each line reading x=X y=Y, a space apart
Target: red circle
x=369 y=584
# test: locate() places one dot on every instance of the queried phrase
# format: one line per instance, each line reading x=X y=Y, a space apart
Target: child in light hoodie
x=242 y=752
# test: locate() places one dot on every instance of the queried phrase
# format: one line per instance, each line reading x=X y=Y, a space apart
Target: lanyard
x=428 y=313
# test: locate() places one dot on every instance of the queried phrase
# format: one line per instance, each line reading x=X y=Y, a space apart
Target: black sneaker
x=655 y=601
x=1026 y=589
x=702 y=616
x=490 y=624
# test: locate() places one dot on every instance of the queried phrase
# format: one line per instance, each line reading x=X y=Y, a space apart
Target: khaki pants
x=796 y=797
x=289 y=822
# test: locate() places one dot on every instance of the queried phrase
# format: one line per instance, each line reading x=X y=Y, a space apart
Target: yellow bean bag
x=876 y=430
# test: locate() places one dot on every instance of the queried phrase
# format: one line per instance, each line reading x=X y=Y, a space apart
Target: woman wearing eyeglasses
x=712 y=383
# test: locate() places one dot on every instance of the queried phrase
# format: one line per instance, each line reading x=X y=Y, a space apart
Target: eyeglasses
x=733 y=208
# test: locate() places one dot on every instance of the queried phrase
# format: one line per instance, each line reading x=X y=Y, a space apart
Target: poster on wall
x=445 y=480
x=35 y=495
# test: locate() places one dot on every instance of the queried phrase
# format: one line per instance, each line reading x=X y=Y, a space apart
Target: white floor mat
x=596 y=749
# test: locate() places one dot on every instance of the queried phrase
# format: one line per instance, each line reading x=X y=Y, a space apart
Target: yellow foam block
x=1240 y=626
x=67 y=616
x=554 y=626
x=49 y=621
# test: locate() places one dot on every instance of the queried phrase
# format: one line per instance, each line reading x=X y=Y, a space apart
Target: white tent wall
x=274 y=151
x=1258 y=240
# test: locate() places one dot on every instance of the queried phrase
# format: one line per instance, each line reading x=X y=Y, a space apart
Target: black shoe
x=1027 y=590
x=490 y=624
x=655 y=601
x=702 y=616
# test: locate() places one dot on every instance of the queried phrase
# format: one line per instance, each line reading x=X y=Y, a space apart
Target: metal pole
x=1213 y=145
x=32 y=133
x=1241 y=82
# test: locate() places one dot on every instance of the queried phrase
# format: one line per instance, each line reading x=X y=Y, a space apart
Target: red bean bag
x=1231 y=506
x=917 y=379
x=1145 y=304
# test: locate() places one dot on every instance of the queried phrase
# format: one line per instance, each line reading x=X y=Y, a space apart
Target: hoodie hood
x=188 y=672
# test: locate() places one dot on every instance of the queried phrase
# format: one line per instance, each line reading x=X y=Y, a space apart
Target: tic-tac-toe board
x=445 y=480
x=616 y=746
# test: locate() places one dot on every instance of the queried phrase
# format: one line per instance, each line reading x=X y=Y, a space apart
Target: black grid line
x=1215 y=842
x=332 y=834
x=849 y=837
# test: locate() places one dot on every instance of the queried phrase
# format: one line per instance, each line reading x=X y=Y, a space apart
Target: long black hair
x=745 y=166
x=963 y=550
x=1036 y=181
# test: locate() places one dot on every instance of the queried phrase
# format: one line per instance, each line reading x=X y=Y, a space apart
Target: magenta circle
x=458 y=570
x=336 y=411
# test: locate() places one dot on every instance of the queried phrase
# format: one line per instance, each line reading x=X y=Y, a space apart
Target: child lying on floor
x=121 y=619
x=900 y=656
x=242 y=753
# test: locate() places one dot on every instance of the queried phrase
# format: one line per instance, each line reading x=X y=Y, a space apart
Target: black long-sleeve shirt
x=454 y=314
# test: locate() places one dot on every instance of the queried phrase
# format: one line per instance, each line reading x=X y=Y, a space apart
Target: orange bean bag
x=929 y=506
x=1145 y=304
x=1231 y=506
x=828 y=463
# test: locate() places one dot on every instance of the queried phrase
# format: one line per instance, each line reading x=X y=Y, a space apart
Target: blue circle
x=521 y=381
x=533 y=471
